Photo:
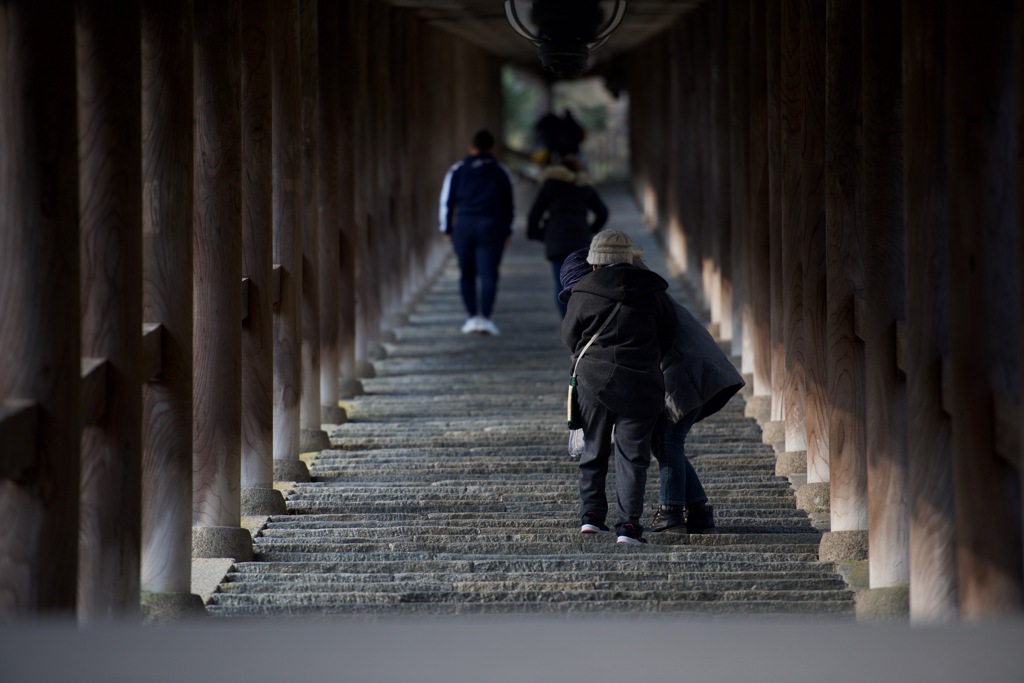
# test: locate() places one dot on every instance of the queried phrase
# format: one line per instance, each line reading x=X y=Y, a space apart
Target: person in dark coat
x=619 y=378
x=559 y=216
x=476 y=214
x=699 y=380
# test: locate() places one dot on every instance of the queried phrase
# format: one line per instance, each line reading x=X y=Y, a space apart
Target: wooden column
x=721 y=188
x=349 y=170
x=40 y=365
x=984 y=310
x=739 y=183
x=933 y=594
x=773 y=68
x=845 y=253
x=759 y=263
x=328 y=136
x=812 y=193
x=286 y=189
x=793 y=229
x=217 y=249
x=110 y=205
x=313 y=438
x=884 y=308
x=361 y=189
x=258 y=494
x=167 y=142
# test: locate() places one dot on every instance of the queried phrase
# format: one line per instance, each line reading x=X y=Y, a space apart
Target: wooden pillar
x=329 y=97
x=721 y=188
x=758 y=260
x=845 y=253
x=349 y=170
x=286 y=135
x=40 y=366
x=884 y=308
x=217 y=250
x=933 y=593
x=773 y=68
x=312 y=436
x=793 y=229
x=361 y=189
x=812 y=193
x=984 y=308
x=110 y=234
x=739 y=183
x=258 y=494
x=167 y=144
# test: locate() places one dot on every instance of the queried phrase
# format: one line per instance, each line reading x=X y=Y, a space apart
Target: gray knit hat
x=610 y=246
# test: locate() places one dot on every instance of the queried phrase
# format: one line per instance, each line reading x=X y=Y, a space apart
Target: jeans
x=478 y=247
x=632 y=457
x=680 y=484
x=556 y=267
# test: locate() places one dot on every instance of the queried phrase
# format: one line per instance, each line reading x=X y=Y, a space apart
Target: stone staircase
x=449 y=492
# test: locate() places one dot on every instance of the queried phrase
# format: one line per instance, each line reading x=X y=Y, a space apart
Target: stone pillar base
x=333 y=415
x=290 y=470
x=222 y=541
x=160 y=608
x=843 y=546
x=813 y=497
x=773 y=433
x=891 y=603
x=791 y=462
x=313 y=440
x=365 y=369
x=402 y=319
x=351 y=387
x=260 y=501
x=388 y=336
x=759 y=408
x=376 y=352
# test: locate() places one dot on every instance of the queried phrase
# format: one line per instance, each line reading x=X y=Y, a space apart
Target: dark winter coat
x=698 y=374
x=477 y=191
x=623 y=367
x=566 y=197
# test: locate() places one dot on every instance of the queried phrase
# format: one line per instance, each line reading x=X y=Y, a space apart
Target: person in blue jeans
x=476 y=214
x=699 y=379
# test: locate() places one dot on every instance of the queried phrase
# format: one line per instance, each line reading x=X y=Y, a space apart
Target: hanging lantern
x=565 y=32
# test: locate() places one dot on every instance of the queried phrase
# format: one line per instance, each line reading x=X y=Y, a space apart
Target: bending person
x=699 y=379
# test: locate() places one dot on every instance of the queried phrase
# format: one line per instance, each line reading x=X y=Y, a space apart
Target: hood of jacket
x=565 y=175
x=621 y=281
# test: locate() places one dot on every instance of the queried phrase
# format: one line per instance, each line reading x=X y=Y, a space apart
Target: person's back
x=476 y=214
x=567 y=198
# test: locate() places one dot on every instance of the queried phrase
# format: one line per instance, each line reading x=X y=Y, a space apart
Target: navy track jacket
x=478 y=188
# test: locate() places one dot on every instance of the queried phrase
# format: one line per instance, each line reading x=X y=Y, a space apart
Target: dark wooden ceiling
x=483 y=22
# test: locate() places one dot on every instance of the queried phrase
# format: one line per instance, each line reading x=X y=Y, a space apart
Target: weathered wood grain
x=217 y=248
x=167 y=146
x=984 y=309
x=39 y=299
x=287 y=232
x=793 y=227
x=773 y=55
x=845 y=252
x=885 y=287
x=257 y=247
x=739 y=182
x=759 y=259
x=310 y=223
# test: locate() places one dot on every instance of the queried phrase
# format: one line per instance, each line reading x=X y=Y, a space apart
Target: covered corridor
x=208 y=246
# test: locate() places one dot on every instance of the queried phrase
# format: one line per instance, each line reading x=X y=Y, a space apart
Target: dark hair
x=483 y=140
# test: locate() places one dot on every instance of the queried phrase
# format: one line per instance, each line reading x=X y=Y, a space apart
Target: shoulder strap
x=596 y=334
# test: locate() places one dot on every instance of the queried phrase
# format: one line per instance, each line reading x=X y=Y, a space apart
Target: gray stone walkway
x=449 y=490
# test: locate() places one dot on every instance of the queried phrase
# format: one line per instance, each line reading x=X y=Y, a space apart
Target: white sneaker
x=471 y=325
x=488 y=327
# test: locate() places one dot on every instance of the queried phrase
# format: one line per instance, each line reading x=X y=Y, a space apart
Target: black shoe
x=668 y=518
x=629 y=533
x=593 y=525
x=700 y=517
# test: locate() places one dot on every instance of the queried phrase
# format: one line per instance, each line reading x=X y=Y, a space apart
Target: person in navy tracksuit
x=476 y=214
